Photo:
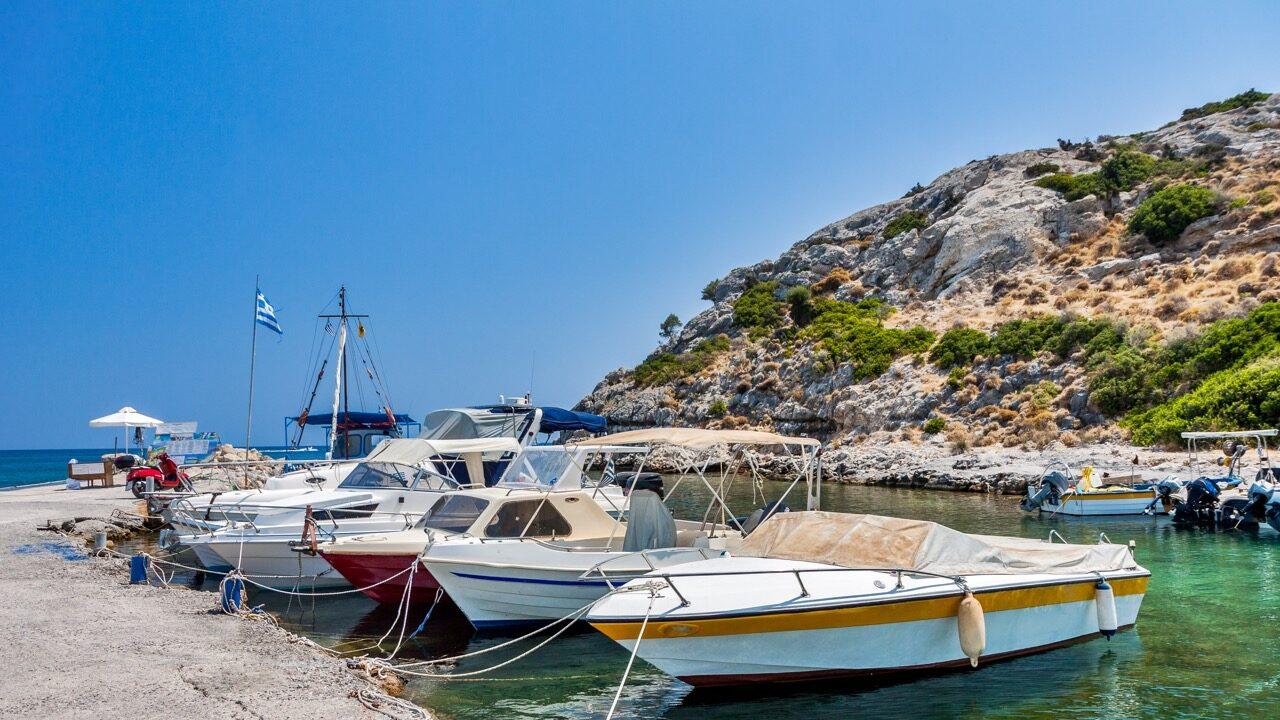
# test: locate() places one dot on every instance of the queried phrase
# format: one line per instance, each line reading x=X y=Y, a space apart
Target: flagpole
x=253 y=360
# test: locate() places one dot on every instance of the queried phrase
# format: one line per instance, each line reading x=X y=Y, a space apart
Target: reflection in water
x=1205 y=645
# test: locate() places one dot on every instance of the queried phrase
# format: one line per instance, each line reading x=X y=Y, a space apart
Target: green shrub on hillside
x=934 y=425
x=1125 y=169
x=907 y=220
x=1096 y=336
x=757 y=310
x=799 y=300
x=709 y=290
x=1244 y=99
x=1072 y=187
x=1247 y=397
x=1026 y=337
x=664 y=368
x=853 y=333
x=1121 y=381
x=959 y=346
x=1163 y=216
x=1041 y=168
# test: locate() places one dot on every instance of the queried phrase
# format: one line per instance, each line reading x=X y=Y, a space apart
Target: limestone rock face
x=986 y=245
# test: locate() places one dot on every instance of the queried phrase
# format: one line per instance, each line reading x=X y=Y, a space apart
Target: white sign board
x=176 y=428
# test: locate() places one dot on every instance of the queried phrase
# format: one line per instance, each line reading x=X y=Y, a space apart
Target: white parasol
x=126 y=417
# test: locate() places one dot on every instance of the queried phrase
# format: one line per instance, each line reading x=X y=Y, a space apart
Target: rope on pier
x=374 y=700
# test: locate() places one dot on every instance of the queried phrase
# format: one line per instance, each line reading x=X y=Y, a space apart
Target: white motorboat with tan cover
x=819 y=595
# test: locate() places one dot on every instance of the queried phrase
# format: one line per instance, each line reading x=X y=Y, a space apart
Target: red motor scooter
x=162 y=471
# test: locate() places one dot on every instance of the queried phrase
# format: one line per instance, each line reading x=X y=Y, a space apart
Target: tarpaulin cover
x=556 y=419
x=873 y=541
x=355 y=419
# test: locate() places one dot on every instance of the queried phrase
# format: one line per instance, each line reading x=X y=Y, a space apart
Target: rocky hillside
x=1076 y=293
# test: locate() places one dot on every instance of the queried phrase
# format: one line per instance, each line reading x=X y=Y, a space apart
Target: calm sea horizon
x=49 y=465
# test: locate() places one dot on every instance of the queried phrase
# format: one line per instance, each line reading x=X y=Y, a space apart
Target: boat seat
x=692 y=538
x=649 y=523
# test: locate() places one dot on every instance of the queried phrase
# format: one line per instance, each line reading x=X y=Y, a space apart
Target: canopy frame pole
x=724 y=506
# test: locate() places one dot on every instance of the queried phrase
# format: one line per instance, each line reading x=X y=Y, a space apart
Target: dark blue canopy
x=555 y=419
x=355 y=419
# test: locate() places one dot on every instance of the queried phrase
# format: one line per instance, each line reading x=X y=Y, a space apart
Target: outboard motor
x=1199 y=509
x=1261 y=505
x=1245 y=513
x=1164 y=491
x=760 y=514
x=1050 y=490
x=631 y=481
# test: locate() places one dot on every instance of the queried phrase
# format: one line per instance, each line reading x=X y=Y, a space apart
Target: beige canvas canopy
x=873 y=541
x=696 y=438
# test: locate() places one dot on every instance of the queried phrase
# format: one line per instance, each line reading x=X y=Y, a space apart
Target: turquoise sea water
x=1207 y=643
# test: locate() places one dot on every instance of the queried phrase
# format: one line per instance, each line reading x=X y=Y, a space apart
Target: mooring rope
x=630 y=661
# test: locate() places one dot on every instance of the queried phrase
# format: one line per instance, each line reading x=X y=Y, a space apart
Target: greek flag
x=266 y=316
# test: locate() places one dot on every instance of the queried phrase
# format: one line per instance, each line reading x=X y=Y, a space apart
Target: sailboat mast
x=346 y=391
x=337 y=392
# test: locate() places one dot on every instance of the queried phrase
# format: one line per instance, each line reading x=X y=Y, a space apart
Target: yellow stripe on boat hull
x=879 y=614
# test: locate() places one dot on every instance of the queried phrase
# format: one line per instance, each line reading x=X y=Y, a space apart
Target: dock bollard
x=100 y=541
x=138 y=569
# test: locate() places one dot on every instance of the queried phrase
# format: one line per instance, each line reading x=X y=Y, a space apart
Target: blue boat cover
x=555 y=419
x=355 y=419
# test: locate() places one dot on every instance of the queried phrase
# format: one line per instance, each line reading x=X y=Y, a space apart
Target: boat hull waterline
x=869 y=639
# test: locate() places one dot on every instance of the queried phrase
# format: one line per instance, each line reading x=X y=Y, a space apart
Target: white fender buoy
x=972 y=627
x=1106 y=601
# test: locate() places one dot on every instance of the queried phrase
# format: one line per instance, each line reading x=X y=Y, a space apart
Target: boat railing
x=226 y=512
x=898 y=573
x=598 y=568
x=798 y=573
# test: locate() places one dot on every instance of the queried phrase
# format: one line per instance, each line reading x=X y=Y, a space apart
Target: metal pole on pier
x=253 y=359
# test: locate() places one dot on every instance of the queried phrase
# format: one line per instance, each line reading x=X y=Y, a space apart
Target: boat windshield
x=379 y=475
x=542 y=465
x=456 y=514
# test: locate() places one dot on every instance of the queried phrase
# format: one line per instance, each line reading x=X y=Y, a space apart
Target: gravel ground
x=80 y=642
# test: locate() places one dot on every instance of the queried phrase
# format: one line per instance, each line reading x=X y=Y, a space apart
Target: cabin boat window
x=353 y=445
x=513 y=517
x=360 y=511
x=455 y=514
x=379 y=475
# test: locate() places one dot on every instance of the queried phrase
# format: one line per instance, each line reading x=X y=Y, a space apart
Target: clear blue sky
x=494 y=181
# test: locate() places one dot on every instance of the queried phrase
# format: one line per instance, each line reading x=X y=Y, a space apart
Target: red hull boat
x=369 y=572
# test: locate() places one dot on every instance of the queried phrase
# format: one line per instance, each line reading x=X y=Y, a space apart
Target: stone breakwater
x=932 y=465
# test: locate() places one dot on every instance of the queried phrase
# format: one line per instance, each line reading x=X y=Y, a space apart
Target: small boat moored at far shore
x=1060 y=492
x=818 y=595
